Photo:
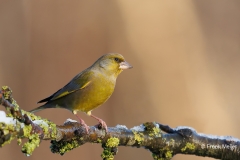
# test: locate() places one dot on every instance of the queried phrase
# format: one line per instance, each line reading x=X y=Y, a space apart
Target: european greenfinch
x=89 y=89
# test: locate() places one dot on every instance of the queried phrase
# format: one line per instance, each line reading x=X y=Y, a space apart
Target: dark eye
x=116 y=59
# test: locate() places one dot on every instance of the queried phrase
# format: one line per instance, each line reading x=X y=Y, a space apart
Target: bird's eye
x=116 y=59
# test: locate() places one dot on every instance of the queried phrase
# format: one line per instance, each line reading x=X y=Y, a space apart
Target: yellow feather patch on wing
x=85 y=85
x=67 y=92
x=64 y=94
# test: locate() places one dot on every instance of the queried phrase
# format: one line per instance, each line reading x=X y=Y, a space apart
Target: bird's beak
x=125 y=65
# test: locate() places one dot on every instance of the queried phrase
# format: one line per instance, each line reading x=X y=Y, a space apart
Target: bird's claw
x=83 y=123
x=102 y=124
x=86 y=127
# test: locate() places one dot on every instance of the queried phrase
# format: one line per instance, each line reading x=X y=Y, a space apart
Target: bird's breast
x=95 y=94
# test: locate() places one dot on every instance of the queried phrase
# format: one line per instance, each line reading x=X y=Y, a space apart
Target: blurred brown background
x=186 y=58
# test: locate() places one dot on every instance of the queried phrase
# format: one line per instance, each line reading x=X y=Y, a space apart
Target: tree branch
x=163 y=141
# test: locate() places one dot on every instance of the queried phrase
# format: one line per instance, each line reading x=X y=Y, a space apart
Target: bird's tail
x=40 y=108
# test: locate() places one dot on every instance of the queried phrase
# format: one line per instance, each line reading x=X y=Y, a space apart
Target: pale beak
x=125 y=65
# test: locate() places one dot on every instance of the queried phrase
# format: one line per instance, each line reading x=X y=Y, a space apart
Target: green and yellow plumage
x=90 y=88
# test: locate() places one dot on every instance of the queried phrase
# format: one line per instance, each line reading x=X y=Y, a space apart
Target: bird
x=89 y=89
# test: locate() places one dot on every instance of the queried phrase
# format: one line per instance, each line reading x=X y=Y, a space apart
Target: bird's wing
x=80 y=81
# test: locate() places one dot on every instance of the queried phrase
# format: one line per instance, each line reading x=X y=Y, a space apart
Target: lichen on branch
x=162 y=141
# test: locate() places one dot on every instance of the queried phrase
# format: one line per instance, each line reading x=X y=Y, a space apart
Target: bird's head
x=112 y=64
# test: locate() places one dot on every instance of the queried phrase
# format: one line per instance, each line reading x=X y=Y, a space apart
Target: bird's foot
x=101 y=122
x=101 y=125
x=83 y=123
